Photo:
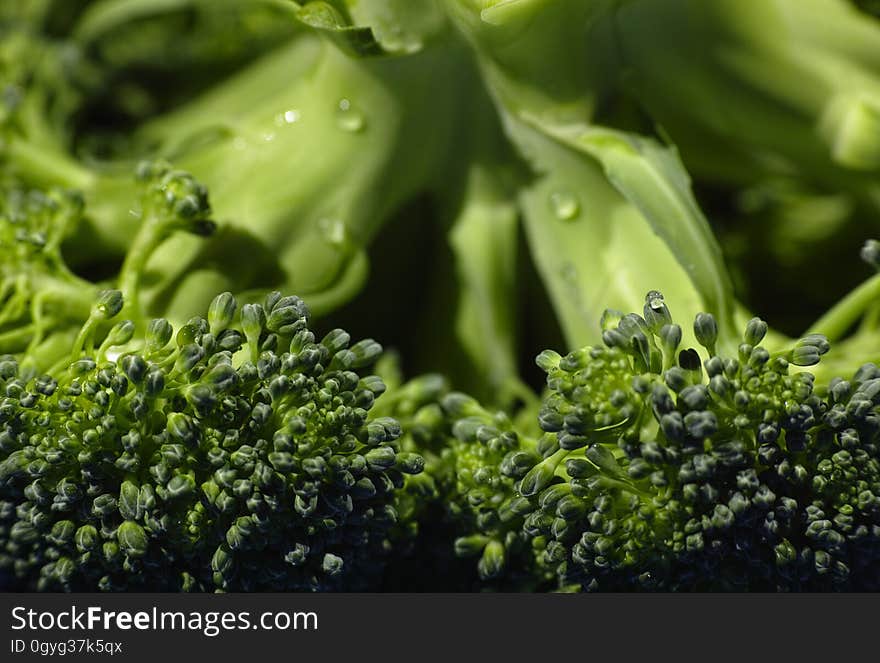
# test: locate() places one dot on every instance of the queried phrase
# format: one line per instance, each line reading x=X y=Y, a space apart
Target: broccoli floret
x=484 y=457
x=464 y=503
x=235 y=454
x=231 y=452
x=43 y=303
x=664 y=468
x=706 y=473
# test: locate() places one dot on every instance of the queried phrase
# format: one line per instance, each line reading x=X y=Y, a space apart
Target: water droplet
x=654 y=299
x=565 y=206
x=333 y=230
x=287 y=117
x=269 y=137
x=349 y=118
x=569 y=273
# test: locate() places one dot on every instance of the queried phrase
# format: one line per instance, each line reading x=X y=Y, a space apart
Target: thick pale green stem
x=102 y=18
x=75 y=298
x=48 y=167
x=843 y=315
x=16 y=339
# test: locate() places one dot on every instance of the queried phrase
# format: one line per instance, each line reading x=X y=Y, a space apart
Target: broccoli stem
x=102 y=18
x=47 y=166
x=837 y=321
x=16 y=339
x=145 y=242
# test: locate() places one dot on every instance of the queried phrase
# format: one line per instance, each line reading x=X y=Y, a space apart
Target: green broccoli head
x=464 y=504
x=706 y=473
x=235 y=454
x=484 y=457
x=661 y=468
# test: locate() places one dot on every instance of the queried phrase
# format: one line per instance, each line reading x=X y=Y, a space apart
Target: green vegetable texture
x=172 y=468
x=728 y=473
x=197 y=197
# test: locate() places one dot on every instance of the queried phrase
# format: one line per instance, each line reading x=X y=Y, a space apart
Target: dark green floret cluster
x=666 y=470
x=473 y=458
x=236 y=453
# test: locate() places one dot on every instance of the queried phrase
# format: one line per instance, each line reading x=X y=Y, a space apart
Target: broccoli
x=233 y=451
x=236 y=454
x=296 y=97
x=664 y=470
x=771 y=108
x=327 y=108
x=445 y=176
x=44 y=302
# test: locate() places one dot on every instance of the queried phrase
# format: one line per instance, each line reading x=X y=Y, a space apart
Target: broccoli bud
x=191 y=467
x=747 y=483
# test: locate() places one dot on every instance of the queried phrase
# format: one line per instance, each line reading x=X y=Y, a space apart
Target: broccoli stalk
x=351 y=119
